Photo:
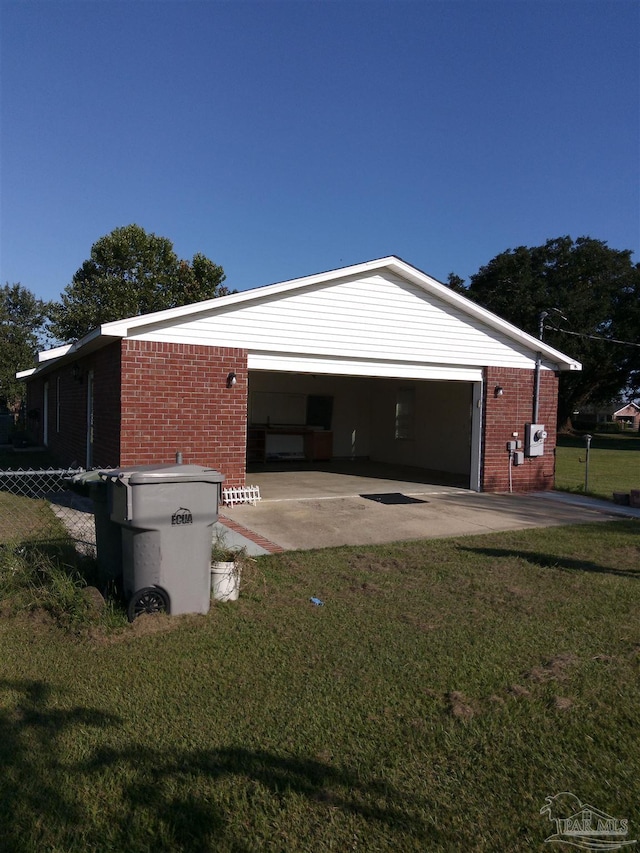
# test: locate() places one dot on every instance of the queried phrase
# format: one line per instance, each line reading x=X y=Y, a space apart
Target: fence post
x=587 y=438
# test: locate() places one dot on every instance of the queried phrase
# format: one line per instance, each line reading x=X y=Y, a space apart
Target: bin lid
x=147 y=474
x=84 y=477
x=81 y=483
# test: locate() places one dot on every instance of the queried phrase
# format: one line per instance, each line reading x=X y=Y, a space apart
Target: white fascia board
x=92 y=336
x=67 y=349
x=122 y=328
x=24 y=374
x=66 y=352
x=563 y=361
x=627 y=406
x=56 y=352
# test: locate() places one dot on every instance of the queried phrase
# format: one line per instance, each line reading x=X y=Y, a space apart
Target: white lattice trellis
x=241 y=495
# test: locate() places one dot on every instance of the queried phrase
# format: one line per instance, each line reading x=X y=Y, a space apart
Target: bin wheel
x=151 y=599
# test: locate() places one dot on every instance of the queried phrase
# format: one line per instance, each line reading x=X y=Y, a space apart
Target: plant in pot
x=226 y=569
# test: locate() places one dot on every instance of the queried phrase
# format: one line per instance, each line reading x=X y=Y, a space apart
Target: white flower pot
x=225 y=581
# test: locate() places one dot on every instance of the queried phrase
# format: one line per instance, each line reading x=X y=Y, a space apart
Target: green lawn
x=614 y=464
x=443 y=691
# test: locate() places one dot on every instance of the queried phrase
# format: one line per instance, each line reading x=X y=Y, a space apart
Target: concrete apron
x=320 y=509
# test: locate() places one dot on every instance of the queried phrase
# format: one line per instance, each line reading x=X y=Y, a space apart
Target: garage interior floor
x=307 y=506
x=345 y=477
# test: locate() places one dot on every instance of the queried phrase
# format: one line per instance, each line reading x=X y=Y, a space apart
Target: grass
x=48 y=577
x=445 y=688
x=614 y=464
x=20 y=517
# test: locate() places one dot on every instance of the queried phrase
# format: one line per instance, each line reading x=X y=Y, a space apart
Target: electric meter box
x=534 y=438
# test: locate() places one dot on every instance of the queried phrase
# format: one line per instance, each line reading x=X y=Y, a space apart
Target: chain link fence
x=39 y=505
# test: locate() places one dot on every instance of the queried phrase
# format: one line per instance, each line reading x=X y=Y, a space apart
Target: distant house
x=628 y=416
x=376 y=361
x=590 y=415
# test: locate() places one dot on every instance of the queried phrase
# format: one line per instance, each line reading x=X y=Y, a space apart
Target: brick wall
x=508 y=414
x=152 y=400
x=174 y=398
x=67 y=408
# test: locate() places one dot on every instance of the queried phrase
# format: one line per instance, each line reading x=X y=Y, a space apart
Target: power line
x=593 y=337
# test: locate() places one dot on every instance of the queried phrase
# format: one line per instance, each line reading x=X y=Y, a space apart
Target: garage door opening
x=420 y=431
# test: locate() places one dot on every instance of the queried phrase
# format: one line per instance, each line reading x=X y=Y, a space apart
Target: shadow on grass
x=553 y=561
x=32 y=789
x=154 y=798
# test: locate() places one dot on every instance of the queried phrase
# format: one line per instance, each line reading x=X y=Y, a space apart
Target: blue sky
x=286 y=138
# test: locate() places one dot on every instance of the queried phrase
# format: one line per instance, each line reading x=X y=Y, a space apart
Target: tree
x=129 y=273
x=591 y=294
x=22 y=332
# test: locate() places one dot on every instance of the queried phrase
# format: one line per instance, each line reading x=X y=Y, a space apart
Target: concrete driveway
x=302 y=509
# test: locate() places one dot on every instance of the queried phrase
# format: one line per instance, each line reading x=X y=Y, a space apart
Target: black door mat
x=393 y=498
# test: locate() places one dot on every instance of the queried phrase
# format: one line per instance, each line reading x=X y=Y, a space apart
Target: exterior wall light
x=498 y=391
x=231 y=380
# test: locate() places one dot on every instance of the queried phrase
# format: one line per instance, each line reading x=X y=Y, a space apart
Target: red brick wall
x=67 y=409
x=174 y=398
x=152 y=400
x=508 y=414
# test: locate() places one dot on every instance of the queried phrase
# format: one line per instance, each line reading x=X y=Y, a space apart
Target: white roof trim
x=123 y=328
x=626 y=406
x=56 y=352
x=292 y=363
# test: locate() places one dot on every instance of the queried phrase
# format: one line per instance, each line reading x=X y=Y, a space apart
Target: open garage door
x=431 y=424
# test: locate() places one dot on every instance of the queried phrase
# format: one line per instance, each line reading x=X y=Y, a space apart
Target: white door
x=476 y=436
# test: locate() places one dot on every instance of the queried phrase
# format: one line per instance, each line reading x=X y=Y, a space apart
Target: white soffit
x=286 y=363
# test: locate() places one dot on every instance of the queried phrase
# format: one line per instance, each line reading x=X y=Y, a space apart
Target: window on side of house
x=58 y=404
x=405 y=413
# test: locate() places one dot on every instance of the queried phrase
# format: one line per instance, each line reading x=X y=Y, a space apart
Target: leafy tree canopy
x=592 y=296
x=22 y=319
x=129 y=273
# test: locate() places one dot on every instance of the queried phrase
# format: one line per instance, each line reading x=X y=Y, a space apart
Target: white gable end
x=378 y=317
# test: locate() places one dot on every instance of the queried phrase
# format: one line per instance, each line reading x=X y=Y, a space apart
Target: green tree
x=22 y=334
x=591 y=294
x=131 y=272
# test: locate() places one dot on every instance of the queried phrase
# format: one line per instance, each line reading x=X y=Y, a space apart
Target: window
x=405 y=413
x=45 y=414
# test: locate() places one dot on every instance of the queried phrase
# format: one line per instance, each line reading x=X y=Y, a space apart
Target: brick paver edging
x=269 y=546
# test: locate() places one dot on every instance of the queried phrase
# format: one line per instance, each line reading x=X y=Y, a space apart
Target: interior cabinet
x=309 y=444
x=318 y=445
